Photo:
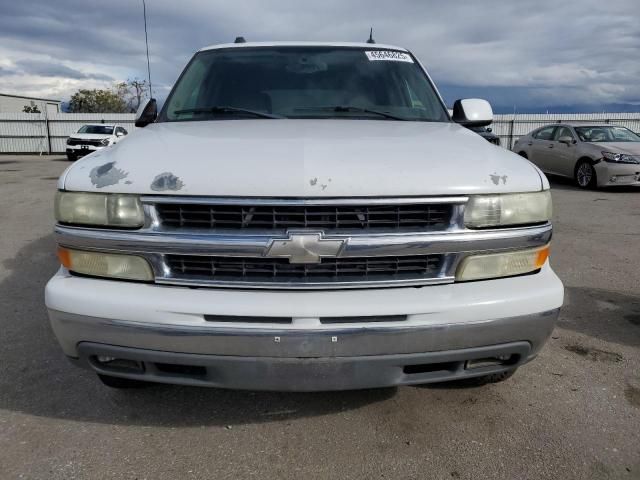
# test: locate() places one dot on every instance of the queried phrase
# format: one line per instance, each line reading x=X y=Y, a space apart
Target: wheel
x=72 y=157
x=118 y=382
x=585 y=175
x=523 y=154
x=486 y=379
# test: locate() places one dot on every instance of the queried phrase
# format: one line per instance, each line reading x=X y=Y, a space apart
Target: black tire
x=523 y=154
x=585 y=175
x=72 y=157
x=486 y=379
x=118 y=382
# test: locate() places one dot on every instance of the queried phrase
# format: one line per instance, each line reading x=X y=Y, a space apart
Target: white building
x=16 y=103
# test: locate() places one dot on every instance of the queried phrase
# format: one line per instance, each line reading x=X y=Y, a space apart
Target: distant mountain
x=582 y=108
x=504 y=99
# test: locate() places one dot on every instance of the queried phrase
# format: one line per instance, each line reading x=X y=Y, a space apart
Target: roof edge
x=29 y=98
x=370 y=46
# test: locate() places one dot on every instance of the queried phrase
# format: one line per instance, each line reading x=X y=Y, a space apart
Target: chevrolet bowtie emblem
x=304 y=248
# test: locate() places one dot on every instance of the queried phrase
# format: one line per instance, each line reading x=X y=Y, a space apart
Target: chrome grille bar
x=400 y=217
x=278 y=270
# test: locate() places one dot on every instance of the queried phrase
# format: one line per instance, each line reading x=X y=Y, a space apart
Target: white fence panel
x=23 y=132
x=35 y=133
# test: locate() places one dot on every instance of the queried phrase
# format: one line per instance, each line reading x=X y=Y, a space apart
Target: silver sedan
x=593 y=155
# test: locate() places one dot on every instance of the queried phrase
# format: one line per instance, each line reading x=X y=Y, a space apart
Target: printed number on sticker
x=388 y=55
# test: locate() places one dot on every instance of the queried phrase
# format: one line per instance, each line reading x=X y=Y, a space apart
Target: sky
x=530 y=56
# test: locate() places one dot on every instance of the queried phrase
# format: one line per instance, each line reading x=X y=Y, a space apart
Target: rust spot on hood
x=166 y=181
x=495 y=178
x=106 y=175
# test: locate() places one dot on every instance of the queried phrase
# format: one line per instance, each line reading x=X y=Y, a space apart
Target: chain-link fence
x=510 y=127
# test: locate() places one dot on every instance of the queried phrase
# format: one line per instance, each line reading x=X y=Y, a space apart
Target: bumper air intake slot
x=502 y=360
x=431 y=367
x=121 y=365
x=246 y=319
x=364 y=319
x=181 y=370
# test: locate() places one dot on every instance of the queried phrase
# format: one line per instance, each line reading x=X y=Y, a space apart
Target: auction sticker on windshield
x=388 y=55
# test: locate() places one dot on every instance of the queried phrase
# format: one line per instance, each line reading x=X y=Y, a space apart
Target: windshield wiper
x=227 y=110
x=351 y=108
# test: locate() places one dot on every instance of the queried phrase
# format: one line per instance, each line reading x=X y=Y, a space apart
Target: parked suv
x=303 y=216
x=92 y=137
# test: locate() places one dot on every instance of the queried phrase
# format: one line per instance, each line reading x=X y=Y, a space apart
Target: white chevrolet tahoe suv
x=303 y=216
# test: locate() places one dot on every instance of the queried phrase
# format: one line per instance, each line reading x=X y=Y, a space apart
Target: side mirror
x=472 y=112
x=566 y=139
x=147 y=113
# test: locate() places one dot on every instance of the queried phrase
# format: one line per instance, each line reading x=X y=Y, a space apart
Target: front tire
x=585 y=175
x=120 y=383
x=72 y=157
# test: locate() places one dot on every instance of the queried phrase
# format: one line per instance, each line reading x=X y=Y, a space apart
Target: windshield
x=98 y=129
x=303 y=82
x=606 y=134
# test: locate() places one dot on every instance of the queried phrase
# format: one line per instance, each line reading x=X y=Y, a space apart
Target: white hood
x=90 y=136
x=629 y=148
x=303 y=158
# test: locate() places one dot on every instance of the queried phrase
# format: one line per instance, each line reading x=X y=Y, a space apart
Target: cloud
x=528 y=54
x=6 y=71
x=50 y=69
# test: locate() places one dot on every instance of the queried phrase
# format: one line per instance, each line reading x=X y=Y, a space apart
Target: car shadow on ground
x=37 y=379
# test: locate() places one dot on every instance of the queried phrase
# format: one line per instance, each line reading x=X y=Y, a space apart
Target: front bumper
x=446 y=326
x=305 y=374
x=81 y=150
x=611 y=174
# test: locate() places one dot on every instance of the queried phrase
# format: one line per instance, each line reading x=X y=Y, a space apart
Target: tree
x=31 y=109
x=133 y=91
x=124 y=97
x=98 y=101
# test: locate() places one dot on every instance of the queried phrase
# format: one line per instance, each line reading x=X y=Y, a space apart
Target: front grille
x=78 y=141
x=279 y=270
x=405 y=217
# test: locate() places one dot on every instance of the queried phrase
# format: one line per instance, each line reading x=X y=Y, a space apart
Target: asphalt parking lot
x=573 y=413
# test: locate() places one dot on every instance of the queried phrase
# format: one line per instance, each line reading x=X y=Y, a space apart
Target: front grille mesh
x=78 y=141
x=281 y=217
x=279 y=270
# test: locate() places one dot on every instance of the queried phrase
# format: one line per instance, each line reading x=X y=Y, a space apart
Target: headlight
x=620 y=157
x=507 y=264
x=105 y=141
x=508 y=209
x=68 y=141
x=99 y=209
x=98 y=264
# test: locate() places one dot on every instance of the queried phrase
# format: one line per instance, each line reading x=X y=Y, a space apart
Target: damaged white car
x=599 y=155
x=303 y=216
